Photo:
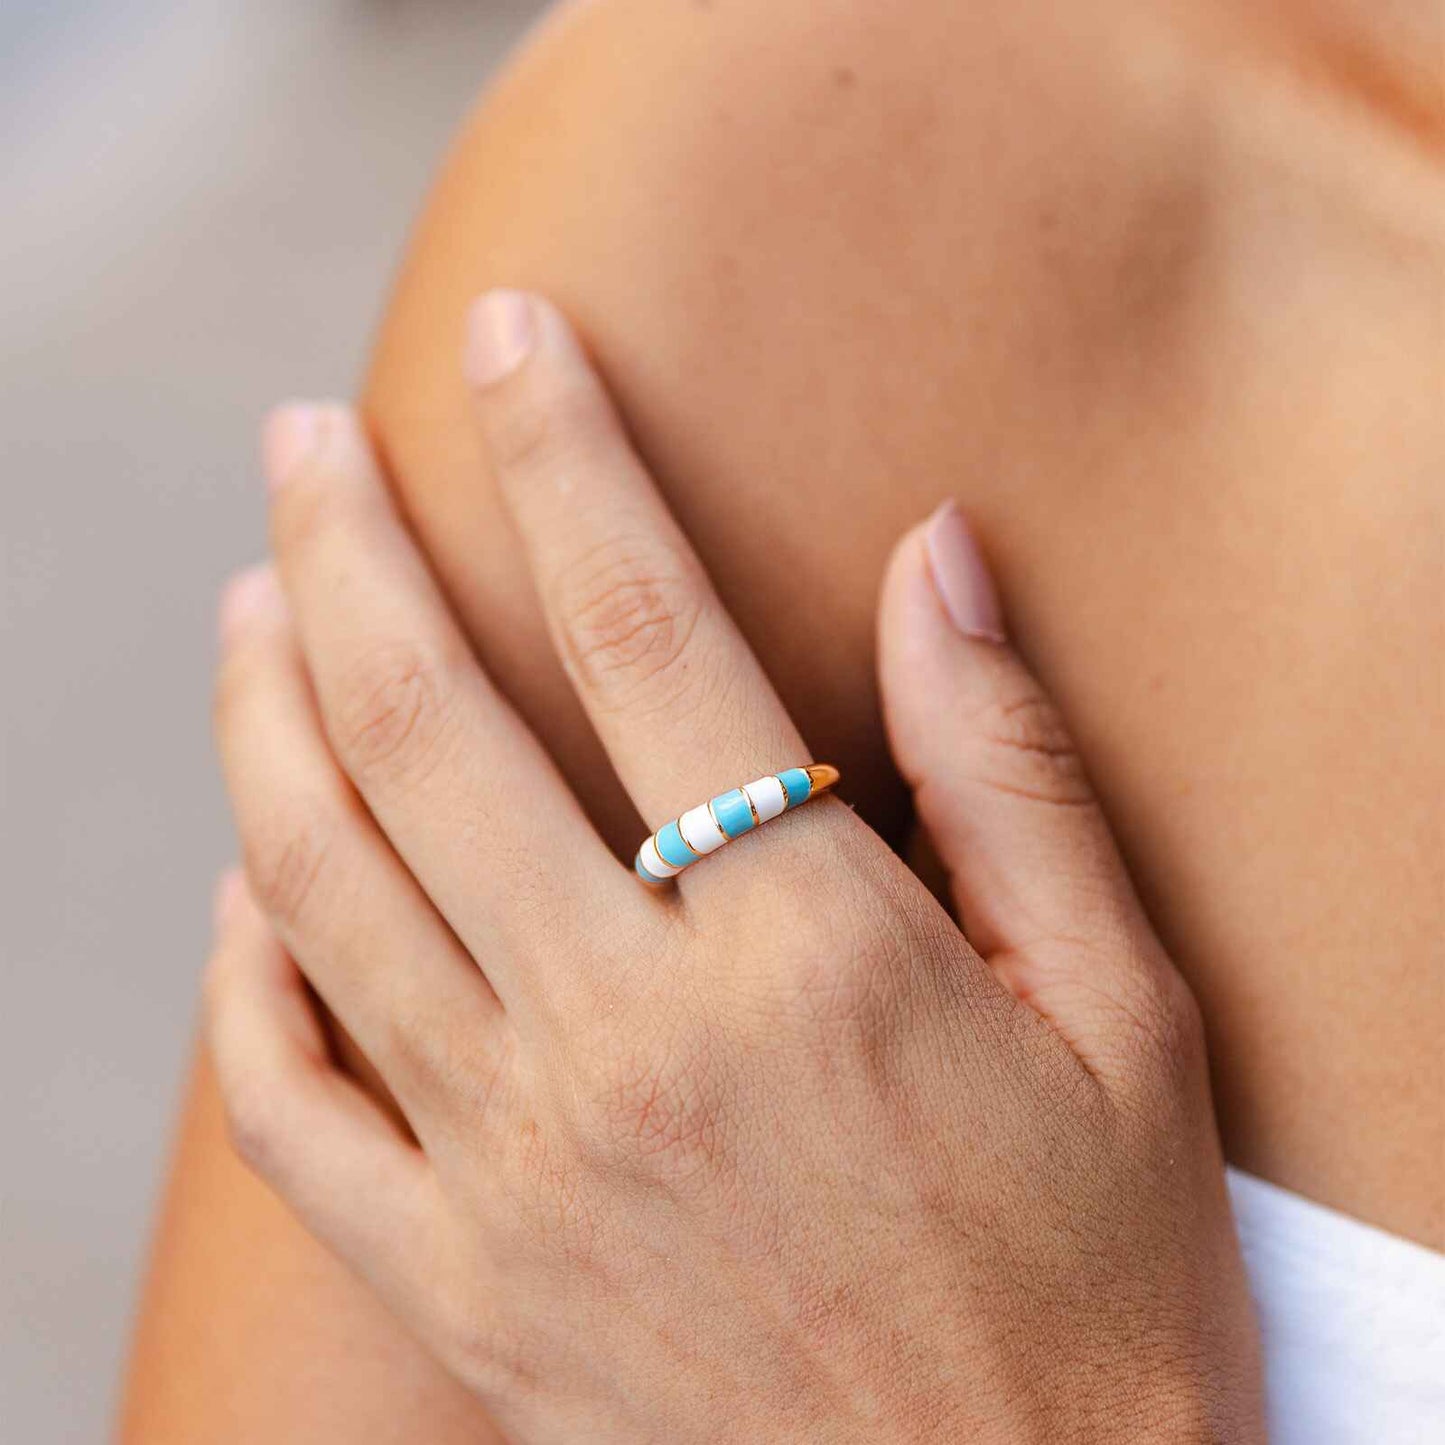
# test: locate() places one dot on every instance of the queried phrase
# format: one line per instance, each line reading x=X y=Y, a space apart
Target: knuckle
x=627 y=616
x=446 y=1058
x=655 y=1111
x=1028 y=750
x=837 y=974
x=834 y=967
x=391 y=711
x=286 y=857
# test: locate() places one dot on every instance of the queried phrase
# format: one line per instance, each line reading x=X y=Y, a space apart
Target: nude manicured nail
x=961 y=577
x=248 y=595
x=290 y=435
x=501 y=332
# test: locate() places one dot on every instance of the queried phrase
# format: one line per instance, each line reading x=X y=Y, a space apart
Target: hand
x=780 y=1154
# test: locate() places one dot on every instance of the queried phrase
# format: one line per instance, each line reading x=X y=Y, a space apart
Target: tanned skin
x=1155 y=292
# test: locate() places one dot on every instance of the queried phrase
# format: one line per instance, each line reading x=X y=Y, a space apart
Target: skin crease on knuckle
x=661 y=1113
x=393 y=714
x=628 y=613
x=1024 y=748
x=287 y=851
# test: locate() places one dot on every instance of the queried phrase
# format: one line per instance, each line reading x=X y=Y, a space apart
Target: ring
x=704 y=829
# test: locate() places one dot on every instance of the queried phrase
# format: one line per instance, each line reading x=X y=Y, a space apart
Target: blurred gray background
x=200 y=207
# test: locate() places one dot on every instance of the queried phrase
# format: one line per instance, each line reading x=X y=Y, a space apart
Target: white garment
x=1353 y=1322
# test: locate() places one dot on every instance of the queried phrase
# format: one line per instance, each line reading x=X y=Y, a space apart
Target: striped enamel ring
x=704 y=829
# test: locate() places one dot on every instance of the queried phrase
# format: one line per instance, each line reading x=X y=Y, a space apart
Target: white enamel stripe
x=654 y=862
x=769 y=797
x=699 y=830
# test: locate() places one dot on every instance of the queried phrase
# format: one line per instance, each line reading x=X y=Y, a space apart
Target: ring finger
x=676 y=695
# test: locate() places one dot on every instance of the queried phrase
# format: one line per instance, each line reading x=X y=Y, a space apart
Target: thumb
x=1040 y=888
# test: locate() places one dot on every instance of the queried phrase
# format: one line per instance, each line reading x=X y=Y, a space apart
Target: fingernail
x=961 y=577
x=247 y=595
x=289 y=436
x=501 y=331
x=227 y=894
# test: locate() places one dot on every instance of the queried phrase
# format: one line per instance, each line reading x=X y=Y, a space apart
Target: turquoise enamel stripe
x=672 y=848
x=797 y=785
x=733 y=812
x=739 y=810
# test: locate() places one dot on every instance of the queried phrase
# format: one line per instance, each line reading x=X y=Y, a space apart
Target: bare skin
x=1159 y=300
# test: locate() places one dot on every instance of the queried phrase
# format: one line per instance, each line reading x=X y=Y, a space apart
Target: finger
x=1041 y=890
x=675 y=694
x=297 y=1121
x=343 y=904
x=463 y=791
